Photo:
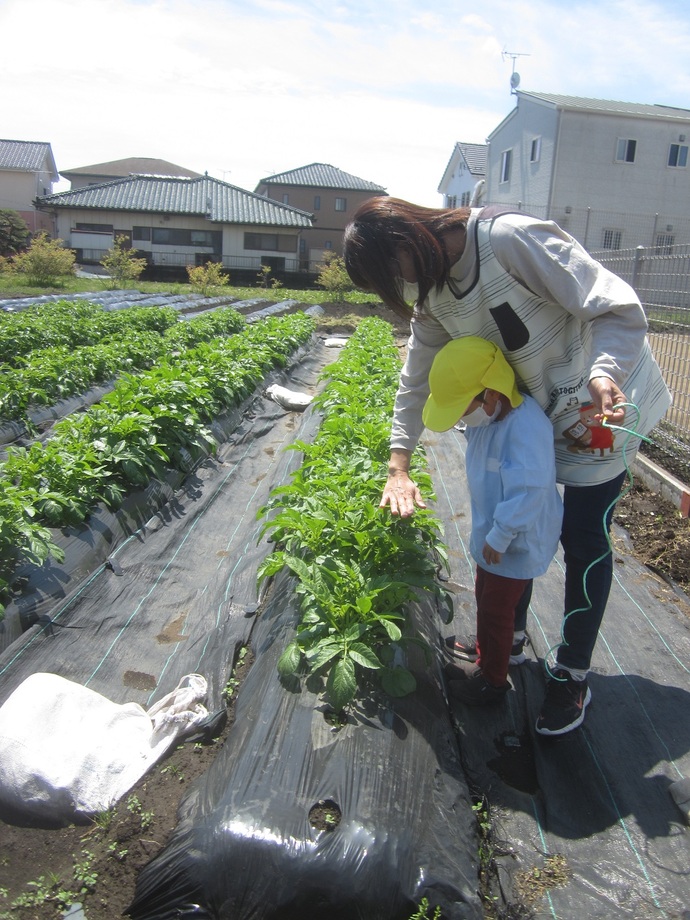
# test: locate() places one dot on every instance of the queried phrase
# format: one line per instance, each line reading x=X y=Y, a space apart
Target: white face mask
x=477 y=418
x=410 y=292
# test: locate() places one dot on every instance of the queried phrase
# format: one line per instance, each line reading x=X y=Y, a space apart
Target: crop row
x=149 y=424
x=356 y=564
x=97 y=347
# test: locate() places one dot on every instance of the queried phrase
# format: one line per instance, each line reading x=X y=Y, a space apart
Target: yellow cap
x=461 y=370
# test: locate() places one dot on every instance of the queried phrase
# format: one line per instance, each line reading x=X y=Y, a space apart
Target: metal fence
x=662 y=282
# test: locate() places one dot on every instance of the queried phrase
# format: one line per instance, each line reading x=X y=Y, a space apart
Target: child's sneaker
x=467 y=649
x=477 y=691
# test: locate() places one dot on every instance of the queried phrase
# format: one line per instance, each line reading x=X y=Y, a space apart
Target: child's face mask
x=477 y=418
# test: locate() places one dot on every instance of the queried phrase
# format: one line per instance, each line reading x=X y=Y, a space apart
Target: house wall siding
x=578 y=181
x=329 y=224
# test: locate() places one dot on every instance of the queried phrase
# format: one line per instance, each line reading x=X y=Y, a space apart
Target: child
x=516 y=508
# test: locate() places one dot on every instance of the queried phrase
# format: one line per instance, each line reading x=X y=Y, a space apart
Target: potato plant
x=150 y=423
x=356 y=565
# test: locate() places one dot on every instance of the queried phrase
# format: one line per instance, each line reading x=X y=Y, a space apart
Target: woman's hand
x=605 y=395
x=401 y=495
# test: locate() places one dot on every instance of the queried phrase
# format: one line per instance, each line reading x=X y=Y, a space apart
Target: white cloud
x=380 y=89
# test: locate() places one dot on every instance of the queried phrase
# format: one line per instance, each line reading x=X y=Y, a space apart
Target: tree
x=204 y=278
x=334 y=277
x=45 y=261
x=122 y=263
x=14 y=233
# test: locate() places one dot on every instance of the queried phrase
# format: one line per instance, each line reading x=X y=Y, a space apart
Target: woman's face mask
x=410 y=292
x=478 y=418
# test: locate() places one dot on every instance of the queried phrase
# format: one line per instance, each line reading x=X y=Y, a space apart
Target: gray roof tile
x=322 y=175
x=27 y=156
x=207 y=197
x=609 y=106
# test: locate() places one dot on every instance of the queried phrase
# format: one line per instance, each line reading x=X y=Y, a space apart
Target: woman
x=575 y=335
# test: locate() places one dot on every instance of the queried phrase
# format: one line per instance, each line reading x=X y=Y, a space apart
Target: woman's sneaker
x=467 y=649
x=564 y=705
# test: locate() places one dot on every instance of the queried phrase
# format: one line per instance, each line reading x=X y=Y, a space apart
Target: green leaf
x=364 y=604
x=289 y=661
x=341 y=685
x=361 y=654
x=393 y=630
x=322 y=653
x=398 y=681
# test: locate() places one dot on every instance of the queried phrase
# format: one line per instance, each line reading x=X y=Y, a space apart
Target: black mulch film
x=175 y=593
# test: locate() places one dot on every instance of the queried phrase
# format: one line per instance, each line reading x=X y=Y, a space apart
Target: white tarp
x=67 y=751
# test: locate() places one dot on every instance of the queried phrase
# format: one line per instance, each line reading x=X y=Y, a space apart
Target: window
x=535 y=150
x=171 y=236
x=678 y=155
x=451 y=201
x=506 y=162
x=664 y=244
x=465 y=199
x=141 y=233
x=275 y=242
x=286 y=198
x=328 y=245
x=95 y=228
x=611 y=239
x=625 y=150
x=317 y=202
x=341 y=204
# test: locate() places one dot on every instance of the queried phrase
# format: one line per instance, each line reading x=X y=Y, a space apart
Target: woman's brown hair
x=380 y=228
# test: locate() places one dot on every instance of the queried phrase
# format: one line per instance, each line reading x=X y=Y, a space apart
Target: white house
x=614 y=174
x=27 y=170
x=175 y=222
x=463 y=180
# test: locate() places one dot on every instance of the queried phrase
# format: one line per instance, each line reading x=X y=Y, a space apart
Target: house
x=27 y=170
x=118 y=169
x=329 y=194
x=463 y=180
x=614 y=174
x=176 y=222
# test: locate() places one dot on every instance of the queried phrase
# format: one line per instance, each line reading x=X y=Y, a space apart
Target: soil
x=43 y=872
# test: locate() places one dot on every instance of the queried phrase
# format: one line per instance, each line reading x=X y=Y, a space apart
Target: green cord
x=630 y=433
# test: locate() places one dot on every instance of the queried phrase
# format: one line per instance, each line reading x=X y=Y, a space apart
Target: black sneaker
x=477 y=691
x=467 y=649
x=564 y=705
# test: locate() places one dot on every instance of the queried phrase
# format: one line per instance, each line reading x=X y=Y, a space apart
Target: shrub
x=122 y=263
x=14 y=233
x=334 y=277
x=204 y=278
x=45 y=261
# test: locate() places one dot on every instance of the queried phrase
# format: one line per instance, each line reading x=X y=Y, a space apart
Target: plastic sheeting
x=245 y=847
x=600 y=798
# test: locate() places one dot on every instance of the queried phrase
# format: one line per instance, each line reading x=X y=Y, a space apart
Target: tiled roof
x=322 y=175
x=609 y=106
x=475 y=156
x=140 y=166
x=207 y=197
x=27 y=156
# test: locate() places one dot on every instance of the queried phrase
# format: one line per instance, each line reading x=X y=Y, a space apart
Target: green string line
x=631 y=432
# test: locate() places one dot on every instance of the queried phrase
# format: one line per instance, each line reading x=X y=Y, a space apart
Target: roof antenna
x=515 y=76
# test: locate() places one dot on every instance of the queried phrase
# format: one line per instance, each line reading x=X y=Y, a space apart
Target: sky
x=382 y=89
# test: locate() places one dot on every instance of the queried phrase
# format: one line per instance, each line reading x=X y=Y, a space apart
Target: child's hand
x=491 y=556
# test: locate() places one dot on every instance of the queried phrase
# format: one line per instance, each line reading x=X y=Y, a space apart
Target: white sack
x=288 y=399
x=336 y=341
x=67 y=751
